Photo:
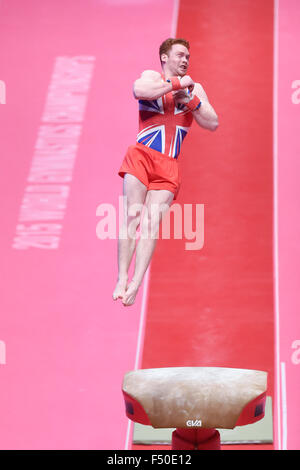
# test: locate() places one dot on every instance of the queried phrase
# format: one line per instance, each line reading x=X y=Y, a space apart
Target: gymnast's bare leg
x=157 y=202
x=135 y=192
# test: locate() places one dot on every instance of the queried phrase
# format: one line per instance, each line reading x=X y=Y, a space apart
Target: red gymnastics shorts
x=154 y=169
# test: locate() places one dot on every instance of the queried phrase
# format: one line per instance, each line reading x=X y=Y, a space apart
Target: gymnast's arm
x=150 y=86
x=205 y=116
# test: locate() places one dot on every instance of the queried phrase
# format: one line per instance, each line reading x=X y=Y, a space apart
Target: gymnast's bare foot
x=130 y=294
x=120 y=289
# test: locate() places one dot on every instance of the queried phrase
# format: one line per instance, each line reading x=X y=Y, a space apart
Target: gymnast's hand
x=181 y=96
x=187 y=82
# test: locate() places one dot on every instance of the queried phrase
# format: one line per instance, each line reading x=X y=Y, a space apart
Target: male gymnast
x=168 y=103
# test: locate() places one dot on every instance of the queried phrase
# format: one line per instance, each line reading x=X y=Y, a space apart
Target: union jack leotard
x=162 y=125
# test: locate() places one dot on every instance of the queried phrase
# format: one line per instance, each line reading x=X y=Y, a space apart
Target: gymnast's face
x=177 y=60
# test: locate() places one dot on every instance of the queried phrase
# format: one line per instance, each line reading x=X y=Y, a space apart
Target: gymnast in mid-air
x=168 y=102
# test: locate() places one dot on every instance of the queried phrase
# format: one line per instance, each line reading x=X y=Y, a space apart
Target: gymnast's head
x=174 y=56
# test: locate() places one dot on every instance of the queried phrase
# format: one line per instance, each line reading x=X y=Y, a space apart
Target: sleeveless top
x=162 y=125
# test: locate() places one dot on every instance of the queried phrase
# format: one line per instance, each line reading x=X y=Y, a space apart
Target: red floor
x=214 y=306
x=64 y=344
